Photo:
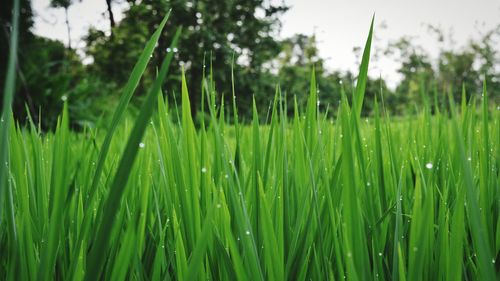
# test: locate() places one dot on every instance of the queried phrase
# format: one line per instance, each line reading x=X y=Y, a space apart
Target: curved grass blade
x=117 y=189
x=128 y=91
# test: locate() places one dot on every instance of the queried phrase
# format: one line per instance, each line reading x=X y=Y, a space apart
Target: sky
x=339 y=25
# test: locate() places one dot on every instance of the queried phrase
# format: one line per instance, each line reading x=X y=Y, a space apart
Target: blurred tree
x=488 y=57
x=298 y=57
x=456 y=68
x=48 y=73
x=211 y=29
x=299 y=54
x=469 y=65
x=111 y=16
x=65 y=4
x=416 y=72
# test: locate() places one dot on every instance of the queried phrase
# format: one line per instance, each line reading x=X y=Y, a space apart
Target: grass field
x=286 y=198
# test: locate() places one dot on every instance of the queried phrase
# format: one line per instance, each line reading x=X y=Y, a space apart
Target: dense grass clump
x=286 y=198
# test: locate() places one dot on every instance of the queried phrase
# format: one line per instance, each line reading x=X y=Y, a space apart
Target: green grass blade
x=8 y=97
x=117 y=189
x=359 y=93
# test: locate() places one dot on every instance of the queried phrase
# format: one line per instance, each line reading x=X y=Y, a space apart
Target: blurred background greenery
x=216 y=33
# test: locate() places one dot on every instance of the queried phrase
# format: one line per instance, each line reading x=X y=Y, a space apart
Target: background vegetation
x=222 y=35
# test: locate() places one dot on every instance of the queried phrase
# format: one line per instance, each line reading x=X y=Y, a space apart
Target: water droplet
x=429 y=165
x=203 y=170
x=218 y=206
x=415 y=249
x=379 y=254
x=169 y=50
x=226 y=176
x=64 y=98
x=142 y=145
x=247 y=232
x=176 y=50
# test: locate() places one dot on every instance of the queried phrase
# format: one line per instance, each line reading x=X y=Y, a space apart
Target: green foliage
x=453 y=69
x=222 y=35
x=47 y=74
x=214 y=32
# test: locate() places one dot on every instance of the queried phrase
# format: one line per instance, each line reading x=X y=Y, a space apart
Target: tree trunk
x=68 y=27
x=111 y=16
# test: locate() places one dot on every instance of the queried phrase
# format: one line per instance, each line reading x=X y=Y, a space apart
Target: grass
x=286 y=198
